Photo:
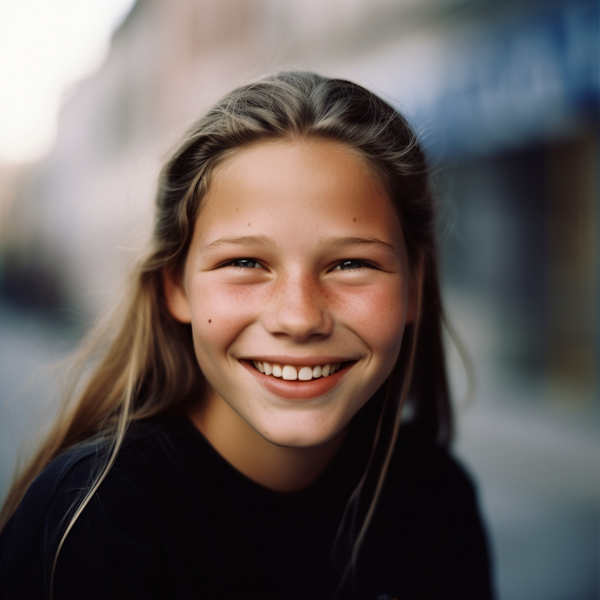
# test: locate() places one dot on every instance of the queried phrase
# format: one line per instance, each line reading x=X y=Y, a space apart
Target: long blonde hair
x=150 y=368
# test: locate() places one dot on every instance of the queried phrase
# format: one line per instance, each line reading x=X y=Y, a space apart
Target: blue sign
x=517 y=83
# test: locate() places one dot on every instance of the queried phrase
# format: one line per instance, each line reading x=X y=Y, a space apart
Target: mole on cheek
x=210 y=320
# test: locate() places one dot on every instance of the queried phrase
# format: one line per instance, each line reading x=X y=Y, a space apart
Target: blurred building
x=504 y=94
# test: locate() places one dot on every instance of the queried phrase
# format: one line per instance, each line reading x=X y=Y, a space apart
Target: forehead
x=302 y=153
x=320 y=184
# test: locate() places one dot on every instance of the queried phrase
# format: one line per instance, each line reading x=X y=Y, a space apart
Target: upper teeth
x=292 y=373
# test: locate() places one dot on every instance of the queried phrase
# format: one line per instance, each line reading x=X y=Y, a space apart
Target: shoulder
x=433 y=470
x=125 y=516
x=431 y=485
x=428 y=527
x=70 y=474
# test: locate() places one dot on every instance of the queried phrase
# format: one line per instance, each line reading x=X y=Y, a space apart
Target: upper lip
x=312 y=360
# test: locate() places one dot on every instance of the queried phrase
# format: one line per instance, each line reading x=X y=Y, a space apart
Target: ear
x=176 y=297
x=415 y=289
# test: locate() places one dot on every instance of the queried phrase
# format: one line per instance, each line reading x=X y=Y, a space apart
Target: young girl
x=241 y=437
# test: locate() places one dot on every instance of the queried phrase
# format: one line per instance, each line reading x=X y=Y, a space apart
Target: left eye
x=350 y=264
x=246 y=263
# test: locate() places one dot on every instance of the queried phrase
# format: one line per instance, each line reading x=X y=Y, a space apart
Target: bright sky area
x=46 y=46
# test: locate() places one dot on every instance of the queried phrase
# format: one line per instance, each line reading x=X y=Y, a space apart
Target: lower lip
x=296 y=389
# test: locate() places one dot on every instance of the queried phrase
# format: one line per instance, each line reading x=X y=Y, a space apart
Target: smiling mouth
x=291 y=382
x=293 y=373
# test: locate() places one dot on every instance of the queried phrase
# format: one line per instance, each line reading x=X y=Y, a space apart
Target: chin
x=302 y=437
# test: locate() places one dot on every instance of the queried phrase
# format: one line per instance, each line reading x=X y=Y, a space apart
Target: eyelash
x=338 y=267
x=246 y=260
x=362 y=264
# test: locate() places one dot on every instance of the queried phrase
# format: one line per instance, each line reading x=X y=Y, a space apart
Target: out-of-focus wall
x=505 y=96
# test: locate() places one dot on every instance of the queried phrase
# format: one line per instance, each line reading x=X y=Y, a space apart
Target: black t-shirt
x=173 y=519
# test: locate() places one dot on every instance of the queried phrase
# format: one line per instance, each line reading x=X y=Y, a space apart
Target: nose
x=297 y=308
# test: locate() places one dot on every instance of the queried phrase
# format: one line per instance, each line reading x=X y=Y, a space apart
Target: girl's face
x=297 y=267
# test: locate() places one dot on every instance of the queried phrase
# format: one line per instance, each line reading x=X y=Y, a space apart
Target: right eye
x=245 y=263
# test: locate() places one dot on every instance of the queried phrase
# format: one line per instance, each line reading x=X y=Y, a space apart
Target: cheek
x=220 y=312
x=377 y=314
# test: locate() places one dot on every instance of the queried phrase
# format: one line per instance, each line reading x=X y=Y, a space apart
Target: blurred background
x=505 y=95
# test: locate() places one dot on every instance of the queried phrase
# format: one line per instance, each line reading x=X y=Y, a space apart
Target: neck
x=279 y=468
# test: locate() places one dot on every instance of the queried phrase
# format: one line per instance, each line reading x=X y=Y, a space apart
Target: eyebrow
x=244 y=240
x=358 y=241
x=263 y=240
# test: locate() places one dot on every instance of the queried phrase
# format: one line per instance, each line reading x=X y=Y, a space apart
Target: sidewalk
x=538 y=477
x=31 y=351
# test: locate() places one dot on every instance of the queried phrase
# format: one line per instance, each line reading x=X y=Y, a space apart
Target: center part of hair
x=291 y=373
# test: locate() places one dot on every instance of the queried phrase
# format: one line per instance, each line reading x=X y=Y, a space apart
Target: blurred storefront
x=507 y=102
